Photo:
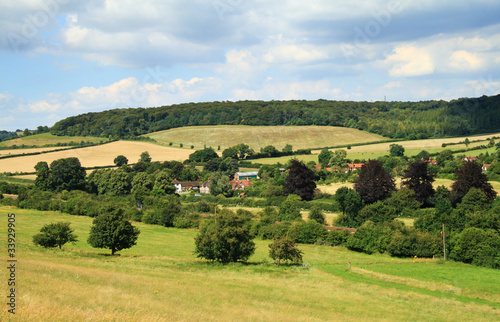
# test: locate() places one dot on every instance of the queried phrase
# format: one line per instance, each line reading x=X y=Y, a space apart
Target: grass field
x=300 y=137
x=101 y=155
x=161 y=280
x=47 y=138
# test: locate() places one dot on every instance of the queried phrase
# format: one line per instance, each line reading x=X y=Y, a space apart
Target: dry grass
x=300 y=137
x=101 y=155
x=47 y=138
x=160 y=280
x=24 y=151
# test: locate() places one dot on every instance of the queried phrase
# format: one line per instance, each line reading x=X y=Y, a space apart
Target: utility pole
x=444 y=242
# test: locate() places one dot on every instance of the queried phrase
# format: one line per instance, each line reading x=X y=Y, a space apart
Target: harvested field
x=47 y=138
x=300 y=137
x=33 y=150
x=94 y=156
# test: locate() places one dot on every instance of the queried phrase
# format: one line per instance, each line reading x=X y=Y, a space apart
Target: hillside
x=300 y=137
x=159 y=279
x=390 y=119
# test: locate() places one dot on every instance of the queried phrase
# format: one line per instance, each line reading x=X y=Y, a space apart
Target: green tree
x=219 y=185
x=224 y=238
x=289 y=209
x=42 y=180
x=324 y=157
x=467 y=142
x=443 y=156
x=145 y=157
x=269 y=151
x=374 y=183
x=317 y=215
x=396 y=150
x=55 y=235
x=474 y=201
x=350 y=203
x=119 y=183
x=163 y=183
x=112 y=231
x=204 y=155
x=300 y=181
x=120 y=160
x=339 y=160
x=284 y=249
x=288 y=148
x=67 y=174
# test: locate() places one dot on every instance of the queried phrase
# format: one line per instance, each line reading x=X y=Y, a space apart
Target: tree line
x=409 y=120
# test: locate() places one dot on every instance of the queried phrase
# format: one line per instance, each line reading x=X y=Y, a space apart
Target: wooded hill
x=410 y=120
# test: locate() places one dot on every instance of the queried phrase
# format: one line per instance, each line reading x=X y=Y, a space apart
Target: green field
x=300 y=137
x=161 y=280
x=40 y=140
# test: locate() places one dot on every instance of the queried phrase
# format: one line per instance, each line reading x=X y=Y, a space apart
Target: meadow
x=160 y=279
x=300 y=137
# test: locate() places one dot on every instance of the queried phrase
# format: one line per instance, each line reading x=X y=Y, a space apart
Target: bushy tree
x=204 y=155
x=339 y=160
x=412 y=243
x=478 y=247
x=324 y=157
x=350 y=203
x=163 y=184
x=371 y=238
x=396 y=150
x=269 y=150
x=284 y=249
x=471 y=176
x=112 y=231
x=67 y=174
x=289 y=209
x=317 y=215
x=145 y=157
x=120 y=160
x=308 y=232
x=224 y=238
x=418 y=179
x=300 y=181
x=55 y=235
x=42 y=180
x=166 y=209
x=374 y=183
x=219 y=185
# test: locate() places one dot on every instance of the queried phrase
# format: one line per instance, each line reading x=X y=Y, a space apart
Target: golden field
x=102 y=155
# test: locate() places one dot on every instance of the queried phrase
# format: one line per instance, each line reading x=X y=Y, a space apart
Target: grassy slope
x=299 y=137
x=159 y=279
x=47 y=138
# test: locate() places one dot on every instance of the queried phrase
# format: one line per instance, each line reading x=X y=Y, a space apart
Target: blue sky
x=64 y=57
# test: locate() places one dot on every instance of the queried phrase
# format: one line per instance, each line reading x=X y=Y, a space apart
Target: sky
x=60 y=58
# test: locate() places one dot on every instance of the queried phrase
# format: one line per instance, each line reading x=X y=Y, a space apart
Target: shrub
x=478 y=247
x=284 y=249
x=414 y=243
x=317 y=215
x=274 y=230
x=338 y=237
x=308 y=232
x=371 y=238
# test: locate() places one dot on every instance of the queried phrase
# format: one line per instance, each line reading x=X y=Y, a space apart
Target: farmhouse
x=430 y=161
x=469 y=159
x=185 y=186
x=240 y=184
x=485 y=166
x=205 y=187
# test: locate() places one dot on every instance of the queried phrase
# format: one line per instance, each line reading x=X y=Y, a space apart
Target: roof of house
x=470 y=159
x=247 y=174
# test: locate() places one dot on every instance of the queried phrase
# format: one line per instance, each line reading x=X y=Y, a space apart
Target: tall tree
x=67 y=174
x=163 y=183
x=324 y=157
x=42 y=181
x=418 y=179
x=112 y=231
x=204 y=155
x=350 y=203
x=396 y=150
x=339 y=160
x=219 y=185
x=300 y=181
x=374 y=183
x=471 y=175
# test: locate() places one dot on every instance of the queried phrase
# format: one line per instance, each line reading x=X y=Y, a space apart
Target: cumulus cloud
x=409 y=60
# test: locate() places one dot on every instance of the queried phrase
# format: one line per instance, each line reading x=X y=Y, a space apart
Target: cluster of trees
x=410 y=120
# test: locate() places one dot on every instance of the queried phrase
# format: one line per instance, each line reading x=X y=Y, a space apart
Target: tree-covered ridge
x=392 y=119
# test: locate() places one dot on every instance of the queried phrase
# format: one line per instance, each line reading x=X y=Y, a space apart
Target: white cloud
x=408 y=61
x=464 y=60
